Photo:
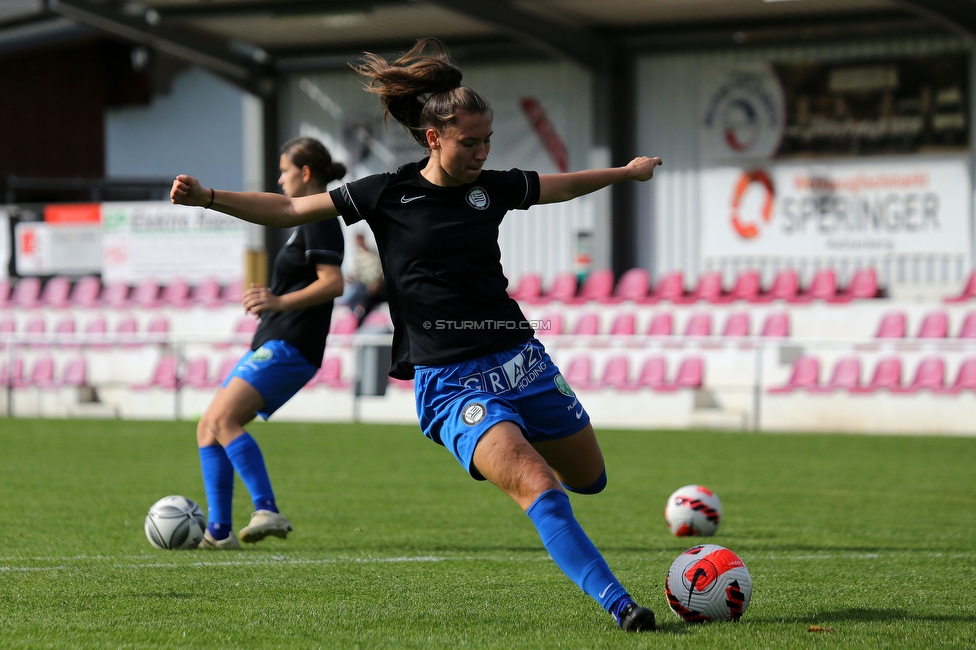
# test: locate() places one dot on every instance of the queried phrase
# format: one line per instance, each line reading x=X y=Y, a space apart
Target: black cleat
x=635 y=618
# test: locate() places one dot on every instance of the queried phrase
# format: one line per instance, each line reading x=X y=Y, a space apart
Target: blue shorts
x=277 y=370
x=458 y=403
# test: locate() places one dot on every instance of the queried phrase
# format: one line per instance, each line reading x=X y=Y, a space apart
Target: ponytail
x=309 y=152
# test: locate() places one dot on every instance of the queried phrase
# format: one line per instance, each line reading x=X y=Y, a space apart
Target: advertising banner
x=56 y=249
x=161 y=241
x=897 y=205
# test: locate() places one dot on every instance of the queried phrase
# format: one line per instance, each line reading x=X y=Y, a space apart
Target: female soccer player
x=286 y=351
x=485 y=387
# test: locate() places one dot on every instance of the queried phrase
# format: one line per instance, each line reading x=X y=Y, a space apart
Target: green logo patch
x=262 y=354
x=563 y=386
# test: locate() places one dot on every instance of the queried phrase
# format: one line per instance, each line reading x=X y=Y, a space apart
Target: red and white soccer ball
x=693 y=510
x=708 y=583
x=175 y=523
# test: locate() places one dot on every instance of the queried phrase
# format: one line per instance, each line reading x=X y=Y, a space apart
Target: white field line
x=150 y=562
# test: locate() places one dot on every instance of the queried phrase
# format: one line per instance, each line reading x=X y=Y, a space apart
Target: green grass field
x=395 y=547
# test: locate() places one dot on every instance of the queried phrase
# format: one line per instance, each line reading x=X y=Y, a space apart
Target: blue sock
x=596 y=488
x=245 y=455
x=218 y=483
x=572 y=550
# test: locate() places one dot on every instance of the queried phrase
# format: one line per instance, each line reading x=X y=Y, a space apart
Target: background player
x=286 y=351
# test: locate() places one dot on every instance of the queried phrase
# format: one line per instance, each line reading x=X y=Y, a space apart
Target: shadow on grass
x=864 y=615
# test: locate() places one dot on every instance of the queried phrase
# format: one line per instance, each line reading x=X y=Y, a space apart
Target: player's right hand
x=188 y=191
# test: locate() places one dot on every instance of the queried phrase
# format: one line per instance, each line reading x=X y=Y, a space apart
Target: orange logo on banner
x=28 y=242
x=73 y=213
x=749 y=230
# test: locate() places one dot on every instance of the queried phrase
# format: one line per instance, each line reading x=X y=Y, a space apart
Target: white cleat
x=264 y=523
x=229 y=543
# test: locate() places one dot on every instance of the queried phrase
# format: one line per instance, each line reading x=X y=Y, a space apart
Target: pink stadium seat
x=158 y=326
x=196 y=374
x=329 y=374
x=699 y=325
x=55 y=292
x=27 y=293
x=580 y=372
x=806 y=375
x=598 y=286
x=930 y=375
x=823 y=287
x=968 y=329
x=233 y=292
x=176 y=293
x=226 y=365
x=206 y=293
x=563 y=288
x=691 y=374
x=634 y=285
x=709 y=288
x=551 y=324
x=846 y=376
x=343 y=323
x=934 y=326
x=243 y=332
x=587 y=325
x=75 y=372
x=96 y=328
x=7 y=326
x=64 y=331
x=863 y=285
x=747 y=287
x=671 y=287
x=737 y=324
x=125 y=330
x=5 y=289
x=661 y=325
x=85 y=292
x=14 y=375
x=892 y=326
x=42 y=374
x=624 y=325
x=653 y=373
x=968 y=291
x=965 y=377
x=617 y=373
x=887 y=376
x=786 y=286
x=146 y=294
x=529 y=288
x=164 y=376
x=377 y=321
x=36 y=328
x=116 y=295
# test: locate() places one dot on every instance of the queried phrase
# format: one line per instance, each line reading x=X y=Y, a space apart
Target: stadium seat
x=233 y=292
x=846 y=375
x=176 y=293
x=146 y=294
x=930 y=375
x=892 y=326
x=196 y=374
x=579 y=374
x=55 y=292
x=624 y=324
x=965 y=377
x=343 y=322
x=42 y=374
x=7 y=326
x=597 y=287
x=822 y=287
x=158 y=325
x=36 y=328
x=329 y=374
x=671 y=287
x=634 y=285
x=5 y=288
x=125 y=330
x=164 y=376
x=563 y=288
x=968 y=329
x=116 y=295
x=587 y=325
x=224 y=369
x=97 y=327
x=968 y=291
x=377 y=320
x=863 y=285
x=75 y=372
x=747 y=287
x=699 y=325
x=206 y=293
x=691 y=374
x=64 y=331
x=786 y=286
x=934 y=326
x=555 y=324
x=85 y=292
x=617 y=373
x=887 y=376
x=12 y=375
x=529 y=288
x=805 y=375
x=661 y=325
x=709 y=288
x=736 y=325
x=26 y=293
x=653 y=373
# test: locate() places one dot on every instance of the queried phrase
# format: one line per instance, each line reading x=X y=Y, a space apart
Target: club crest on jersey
x=473 y=413
x=563 y=386
x=477 y=198
x=262 y=354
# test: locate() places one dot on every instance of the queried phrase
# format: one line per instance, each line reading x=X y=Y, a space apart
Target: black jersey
x=439 y=248
x=294 y=269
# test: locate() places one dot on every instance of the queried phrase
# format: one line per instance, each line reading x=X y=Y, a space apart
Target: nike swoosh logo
x=406 y=199
x=604 y=592
x=579 y=413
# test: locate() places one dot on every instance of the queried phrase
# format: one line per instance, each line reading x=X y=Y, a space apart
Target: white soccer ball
x=175 y=523
x=708 y=583
x=693 y=510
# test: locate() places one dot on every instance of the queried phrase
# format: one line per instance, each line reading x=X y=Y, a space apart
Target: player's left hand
x=643 y=167
x=187 y=190
x=258 y=299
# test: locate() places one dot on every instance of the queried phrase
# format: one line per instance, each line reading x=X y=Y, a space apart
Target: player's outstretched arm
x=265 y=208
x=555 y=188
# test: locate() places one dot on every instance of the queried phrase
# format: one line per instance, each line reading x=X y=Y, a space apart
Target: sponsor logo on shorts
x=516 y=373
x=262 y=354
x=563 y=386
x=477 y=198
x=473 y=413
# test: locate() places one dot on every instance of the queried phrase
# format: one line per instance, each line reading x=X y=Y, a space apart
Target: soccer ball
x=175 y=523
x=693 y=510
x=708 y=583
